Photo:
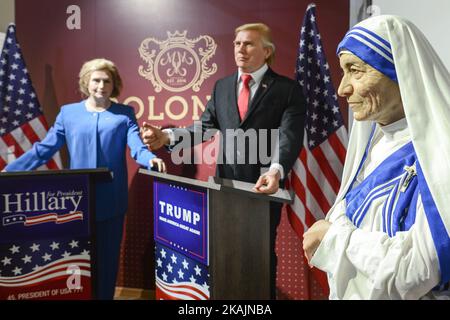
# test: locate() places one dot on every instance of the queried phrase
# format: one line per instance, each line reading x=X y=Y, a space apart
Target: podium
x=47 y=234
x=231 y=237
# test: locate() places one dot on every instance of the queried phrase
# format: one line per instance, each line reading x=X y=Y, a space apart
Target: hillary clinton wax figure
x=97 y=131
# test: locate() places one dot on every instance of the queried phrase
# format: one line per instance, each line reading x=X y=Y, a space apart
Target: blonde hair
x=99 y=64
x=266 y=37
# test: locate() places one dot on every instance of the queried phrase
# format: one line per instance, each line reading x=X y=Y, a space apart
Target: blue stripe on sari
x=364 y=207
x=373 y=43
x=389 y=171
x=438 y=231
x=391 y=201
x=369 y=56
x=404 y=216
x=399 y=213
x=373 y=34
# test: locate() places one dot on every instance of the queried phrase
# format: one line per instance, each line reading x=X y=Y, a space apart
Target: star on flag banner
x=179 y=277
x=41 y=269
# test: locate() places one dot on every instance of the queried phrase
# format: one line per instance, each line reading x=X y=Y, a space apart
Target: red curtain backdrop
x=115 y=29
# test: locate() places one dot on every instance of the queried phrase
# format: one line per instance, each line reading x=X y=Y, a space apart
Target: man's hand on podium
x=153 y=137
x=268 y=182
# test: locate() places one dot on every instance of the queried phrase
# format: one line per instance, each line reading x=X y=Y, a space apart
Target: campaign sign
x=181 y=219
x=45 y=237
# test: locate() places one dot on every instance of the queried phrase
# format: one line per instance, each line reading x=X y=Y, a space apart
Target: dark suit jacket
x=277 y=104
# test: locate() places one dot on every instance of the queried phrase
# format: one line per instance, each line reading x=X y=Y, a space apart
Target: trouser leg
x=109 y=237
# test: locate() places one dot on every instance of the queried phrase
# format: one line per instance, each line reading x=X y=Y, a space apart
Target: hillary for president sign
x=45 y=240
x=181 y=219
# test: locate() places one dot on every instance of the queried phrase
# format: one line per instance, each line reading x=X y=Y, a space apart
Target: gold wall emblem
x=177 y=63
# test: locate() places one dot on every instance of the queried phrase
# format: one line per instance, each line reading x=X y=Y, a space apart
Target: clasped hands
x=313 y=237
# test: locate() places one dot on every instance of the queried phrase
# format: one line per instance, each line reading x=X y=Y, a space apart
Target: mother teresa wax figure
x=387 y=235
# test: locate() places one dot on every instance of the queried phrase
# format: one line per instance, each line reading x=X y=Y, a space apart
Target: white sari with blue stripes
x=380 y=244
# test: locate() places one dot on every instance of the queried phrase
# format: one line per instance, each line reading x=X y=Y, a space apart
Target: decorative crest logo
x=177 y=63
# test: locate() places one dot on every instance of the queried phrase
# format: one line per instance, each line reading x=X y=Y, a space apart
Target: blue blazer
x=94 y=140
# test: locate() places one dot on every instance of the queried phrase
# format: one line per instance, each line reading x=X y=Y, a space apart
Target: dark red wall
x=114 y=29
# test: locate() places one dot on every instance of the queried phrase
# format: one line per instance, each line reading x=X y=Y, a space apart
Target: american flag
x=22 y=122
x=40 y=269
x=42 y=218
x=179 y=277
x=316 y=175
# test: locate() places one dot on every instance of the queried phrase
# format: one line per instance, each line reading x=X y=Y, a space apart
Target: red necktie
x=244 y=95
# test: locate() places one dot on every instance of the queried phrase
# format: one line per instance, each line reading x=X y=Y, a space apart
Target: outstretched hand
x=153 y=137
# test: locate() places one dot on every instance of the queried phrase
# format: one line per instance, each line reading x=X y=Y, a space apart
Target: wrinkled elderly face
x=370 y=94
